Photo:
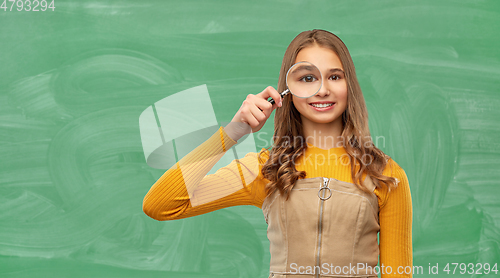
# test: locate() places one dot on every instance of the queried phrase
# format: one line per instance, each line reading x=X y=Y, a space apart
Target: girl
x=325 y=189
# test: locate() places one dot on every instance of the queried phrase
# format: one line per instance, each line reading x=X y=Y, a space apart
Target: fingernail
x=281 y=102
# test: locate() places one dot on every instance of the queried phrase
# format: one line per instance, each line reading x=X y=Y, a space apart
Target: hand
x=255 y=109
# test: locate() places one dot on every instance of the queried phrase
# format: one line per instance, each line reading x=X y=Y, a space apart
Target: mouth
x=322 y=104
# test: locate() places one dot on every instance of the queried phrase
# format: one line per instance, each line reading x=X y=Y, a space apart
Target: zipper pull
x=325 y=186
x=325 y=181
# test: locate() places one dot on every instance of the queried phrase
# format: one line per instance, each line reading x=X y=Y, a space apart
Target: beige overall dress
x=327 y=228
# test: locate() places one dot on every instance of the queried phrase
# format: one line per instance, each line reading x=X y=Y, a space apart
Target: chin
x=323 y=120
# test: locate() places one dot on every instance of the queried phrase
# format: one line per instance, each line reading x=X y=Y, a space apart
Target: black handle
x=282 y=94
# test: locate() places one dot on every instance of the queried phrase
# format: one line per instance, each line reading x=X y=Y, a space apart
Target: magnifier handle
x=282 y=94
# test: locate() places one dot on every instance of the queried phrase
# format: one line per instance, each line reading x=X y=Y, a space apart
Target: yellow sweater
x=240 y=183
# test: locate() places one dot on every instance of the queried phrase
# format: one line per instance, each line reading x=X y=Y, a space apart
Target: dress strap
x=368 y=182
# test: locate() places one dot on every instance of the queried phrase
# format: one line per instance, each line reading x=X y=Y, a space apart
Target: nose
x=324 y=90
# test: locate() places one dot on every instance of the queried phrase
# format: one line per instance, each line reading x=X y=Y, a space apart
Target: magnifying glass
x=303 y=80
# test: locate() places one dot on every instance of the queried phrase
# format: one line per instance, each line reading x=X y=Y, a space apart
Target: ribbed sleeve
x=396 y=216
x=186 y=190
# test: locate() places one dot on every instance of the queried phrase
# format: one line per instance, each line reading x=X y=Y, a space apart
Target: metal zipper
x=320 y=222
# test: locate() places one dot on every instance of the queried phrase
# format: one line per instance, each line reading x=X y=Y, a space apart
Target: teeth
x=322 y=105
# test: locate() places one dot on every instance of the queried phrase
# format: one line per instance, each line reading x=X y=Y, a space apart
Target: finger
x=258 y=114
x=257 y=100
x=274 y=104
x=265 y=106
x=276 y=96
x=248 y=117
x=270 y=92
x=261 y=102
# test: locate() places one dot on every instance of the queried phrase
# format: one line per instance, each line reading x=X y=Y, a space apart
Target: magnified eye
x=308 y=78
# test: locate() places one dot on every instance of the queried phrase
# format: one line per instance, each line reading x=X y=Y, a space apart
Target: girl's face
x=333 y=90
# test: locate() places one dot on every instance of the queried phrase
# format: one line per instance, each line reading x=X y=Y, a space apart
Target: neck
x=323 y=135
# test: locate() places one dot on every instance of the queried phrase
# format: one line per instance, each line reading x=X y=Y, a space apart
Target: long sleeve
x=186 y=190
x=396 y=215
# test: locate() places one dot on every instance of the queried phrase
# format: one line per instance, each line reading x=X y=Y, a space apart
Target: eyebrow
x=303 y=67
x=335 y=70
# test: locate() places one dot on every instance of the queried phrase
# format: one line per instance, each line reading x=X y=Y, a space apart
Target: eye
x=335 y=77
x=308 y=78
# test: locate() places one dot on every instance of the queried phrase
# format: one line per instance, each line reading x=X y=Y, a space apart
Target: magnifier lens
x=303 y=79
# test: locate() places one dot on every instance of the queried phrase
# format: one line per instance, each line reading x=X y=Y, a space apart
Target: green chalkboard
x=75 y=79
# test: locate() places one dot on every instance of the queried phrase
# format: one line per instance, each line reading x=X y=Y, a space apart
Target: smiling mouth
x=322 y=105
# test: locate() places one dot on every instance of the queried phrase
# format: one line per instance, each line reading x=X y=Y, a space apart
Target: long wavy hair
x=279 y=168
